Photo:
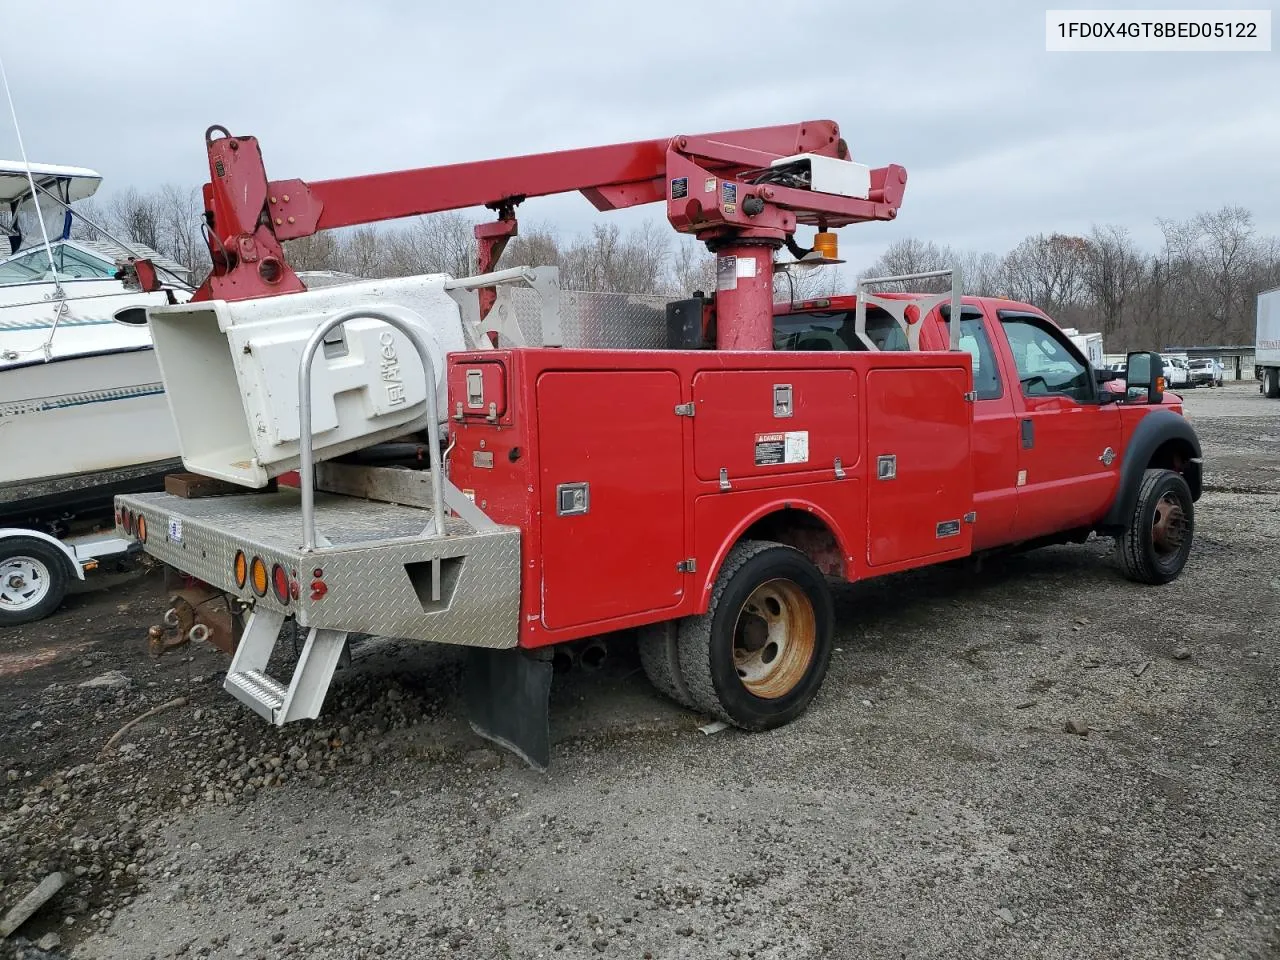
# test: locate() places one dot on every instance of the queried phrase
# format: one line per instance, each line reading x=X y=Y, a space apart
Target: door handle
x=1028 y=434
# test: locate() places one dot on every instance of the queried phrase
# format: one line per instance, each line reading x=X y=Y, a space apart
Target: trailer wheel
x=1155 y=547
x=660 y=656
x=33 y=580
x=757 y=657
x=1270 y=383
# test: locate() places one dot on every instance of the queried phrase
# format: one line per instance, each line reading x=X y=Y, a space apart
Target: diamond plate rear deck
x=373 y=568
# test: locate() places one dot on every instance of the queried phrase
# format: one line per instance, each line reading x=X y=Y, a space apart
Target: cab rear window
x=836 y=331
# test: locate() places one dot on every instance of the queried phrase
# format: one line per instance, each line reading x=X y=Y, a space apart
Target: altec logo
x=391 y=368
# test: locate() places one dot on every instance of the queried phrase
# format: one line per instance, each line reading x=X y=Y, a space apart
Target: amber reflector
x=258 y=576
x=241 y=568
x=142 y=528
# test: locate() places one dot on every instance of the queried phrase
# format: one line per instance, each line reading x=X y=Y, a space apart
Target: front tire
x=1155 y=547
x=34 y=577
x=757 y=657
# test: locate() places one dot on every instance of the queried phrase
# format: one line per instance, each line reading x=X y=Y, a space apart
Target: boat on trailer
x=83 y=413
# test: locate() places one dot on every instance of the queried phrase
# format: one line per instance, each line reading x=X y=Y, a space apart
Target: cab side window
x=1046 y=364
x=974 y=340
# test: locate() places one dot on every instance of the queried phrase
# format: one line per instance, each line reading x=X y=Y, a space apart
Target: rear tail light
x=258 y=576
x=126 y=520
x=241 y=569
x=280 y=583
x=141 y=525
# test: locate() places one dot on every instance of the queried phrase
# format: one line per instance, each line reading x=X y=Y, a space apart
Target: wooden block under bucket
x=190 y=486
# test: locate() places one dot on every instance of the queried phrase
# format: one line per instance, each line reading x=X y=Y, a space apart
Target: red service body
x=631 y=473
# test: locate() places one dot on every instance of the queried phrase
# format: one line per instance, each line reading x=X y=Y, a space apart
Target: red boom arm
x=717 y=187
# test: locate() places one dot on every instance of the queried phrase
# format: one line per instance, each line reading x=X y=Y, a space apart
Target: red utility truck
x=698 y=473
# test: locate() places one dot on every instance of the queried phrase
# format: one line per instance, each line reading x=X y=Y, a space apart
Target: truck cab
x=1057 y=450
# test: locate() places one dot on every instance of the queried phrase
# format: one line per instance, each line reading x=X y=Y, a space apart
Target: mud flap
x=506 y=697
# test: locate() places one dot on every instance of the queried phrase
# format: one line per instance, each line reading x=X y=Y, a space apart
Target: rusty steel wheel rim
x=1169 y=526
x=774 y=639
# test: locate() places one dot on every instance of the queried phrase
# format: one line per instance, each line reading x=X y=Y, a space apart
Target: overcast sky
x=999 y=138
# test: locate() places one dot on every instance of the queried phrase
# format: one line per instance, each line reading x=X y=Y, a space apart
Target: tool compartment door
x=919 y=465
x=755 y=423
x=611 y=456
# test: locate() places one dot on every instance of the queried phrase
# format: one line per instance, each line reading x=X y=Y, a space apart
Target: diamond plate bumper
x=376 y=568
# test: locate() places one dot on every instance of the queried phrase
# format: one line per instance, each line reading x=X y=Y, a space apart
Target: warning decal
x=726 y=273
x=775 y=448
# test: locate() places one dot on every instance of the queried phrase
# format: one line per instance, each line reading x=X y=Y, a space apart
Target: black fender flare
x=1154 y=430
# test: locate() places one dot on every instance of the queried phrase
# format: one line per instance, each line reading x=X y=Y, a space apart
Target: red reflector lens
x=280 y=583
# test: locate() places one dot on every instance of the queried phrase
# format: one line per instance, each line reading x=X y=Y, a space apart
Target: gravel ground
x=932 y=802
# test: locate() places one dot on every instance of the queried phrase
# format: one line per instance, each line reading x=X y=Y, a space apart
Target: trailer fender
x=72 y=560
x=1161 y=439
x=798 y=523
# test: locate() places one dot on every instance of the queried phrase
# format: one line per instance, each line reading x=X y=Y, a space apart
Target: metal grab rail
x=956 y=285
x=397 y=318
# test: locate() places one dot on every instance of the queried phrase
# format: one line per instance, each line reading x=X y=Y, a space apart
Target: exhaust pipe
x=593 y=655
x=563 y=658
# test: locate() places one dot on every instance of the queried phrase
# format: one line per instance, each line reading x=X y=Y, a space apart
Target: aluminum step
x=257 y=690
x=302 y=699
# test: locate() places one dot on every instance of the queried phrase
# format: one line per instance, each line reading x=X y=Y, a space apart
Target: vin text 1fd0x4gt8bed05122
x=695 y=471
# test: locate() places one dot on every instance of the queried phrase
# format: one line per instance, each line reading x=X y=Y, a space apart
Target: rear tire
x=1270 y=383
x=34 y=577
x=757 y=657
x=1155 y=547
x=660 y=657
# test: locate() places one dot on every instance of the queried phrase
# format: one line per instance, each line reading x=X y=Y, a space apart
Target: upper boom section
x=725 y=188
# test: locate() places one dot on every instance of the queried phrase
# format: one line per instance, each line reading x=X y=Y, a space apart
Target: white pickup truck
x=1177 y=370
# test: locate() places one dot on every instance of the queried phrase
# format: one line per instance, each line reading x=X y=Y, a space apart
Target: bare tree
x=1112 y=269
x=361 y=253
x=140 y=216
x=316 y=252
x=605 y=260
x=1046 y=271
x=536 y=246
x=440 y=243
x=693 y=269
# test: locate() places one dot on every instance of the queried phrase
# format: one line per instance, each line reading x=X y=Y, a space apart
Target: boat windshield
x=32 y=265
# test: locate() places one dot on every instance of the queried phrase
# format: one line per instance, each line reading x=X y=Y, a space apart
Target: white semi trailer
x=1267 y=348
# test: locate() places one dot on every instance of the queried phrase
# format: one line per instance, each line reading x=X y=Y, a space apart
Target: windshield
x=32 y=265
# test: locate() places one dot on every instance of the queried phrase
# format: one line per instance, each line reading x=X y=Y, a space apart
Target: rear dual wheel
x=757 y=657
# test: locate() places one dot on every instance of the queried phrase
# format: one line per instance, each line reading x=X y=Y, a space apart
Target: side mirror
x=1144 y=377
x=1105 y=376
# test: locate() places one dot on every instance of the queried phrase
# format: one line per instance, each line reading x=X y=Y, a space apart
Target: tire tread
x=695 y=633
x=1135 y=560
x=659 y=646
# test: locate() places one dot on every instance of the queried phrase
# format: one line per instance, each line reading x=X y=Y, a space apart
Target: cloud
x=1000 y=138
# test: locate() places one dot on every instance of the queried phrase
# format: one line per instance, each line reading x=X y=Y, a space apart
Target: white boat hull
x=83 y=414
